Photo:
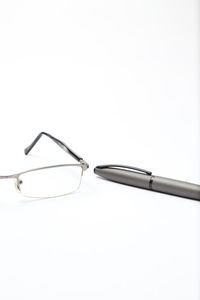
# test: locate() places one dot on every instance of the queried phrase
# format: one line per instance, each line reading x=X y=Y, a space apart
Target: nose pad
x=18 y=181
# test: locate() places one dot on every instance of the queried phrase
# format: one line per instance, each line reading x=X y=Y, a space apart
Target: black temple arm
x=58 y=142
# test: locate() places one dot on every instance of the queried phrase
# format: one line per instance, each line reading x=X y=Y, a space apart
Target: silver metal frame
x=82 y=163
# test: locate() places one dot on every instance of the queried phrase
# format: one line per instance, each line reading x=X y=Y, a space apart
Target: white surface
x=118 y=82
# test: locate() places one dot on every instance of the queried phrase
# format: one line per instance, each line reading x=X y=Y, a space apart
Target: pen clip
x=125 y=167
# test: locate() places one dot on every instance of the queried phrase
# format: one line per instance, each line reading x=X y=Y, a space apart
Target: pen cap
x=125 y=175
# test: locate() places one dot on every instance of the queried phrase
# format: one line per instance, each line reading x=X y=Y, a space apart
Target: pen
x=146 y=180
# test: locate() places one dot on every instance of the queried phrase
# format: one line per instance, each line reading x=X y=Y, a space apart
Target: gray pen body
x=151 y=182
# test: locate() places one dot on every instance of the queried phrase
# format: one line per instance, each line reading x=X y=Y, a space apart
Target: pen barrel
x=176 y=187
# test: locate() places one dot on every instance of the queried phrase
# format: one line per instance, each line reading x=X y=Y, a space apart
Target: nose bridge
x=15 y=178
x=8 y=177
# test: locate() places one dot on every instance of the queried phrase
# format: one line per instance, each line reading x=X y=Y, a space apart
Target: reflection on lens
x=50 y=181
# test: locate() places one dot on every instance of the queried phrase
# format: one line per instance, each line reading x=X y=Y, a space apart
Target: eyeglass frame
x=82 y=163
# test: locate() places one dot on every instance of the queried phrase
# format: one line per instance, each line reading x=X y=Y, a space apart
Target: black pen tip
x=95 y=170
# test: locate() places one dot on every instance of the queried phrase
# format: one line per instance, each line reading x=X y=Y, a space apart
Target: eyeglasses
x=50 y=181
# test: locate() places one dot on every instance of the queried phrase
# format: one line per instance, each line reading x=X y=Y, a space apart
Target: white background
x=118 y=82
